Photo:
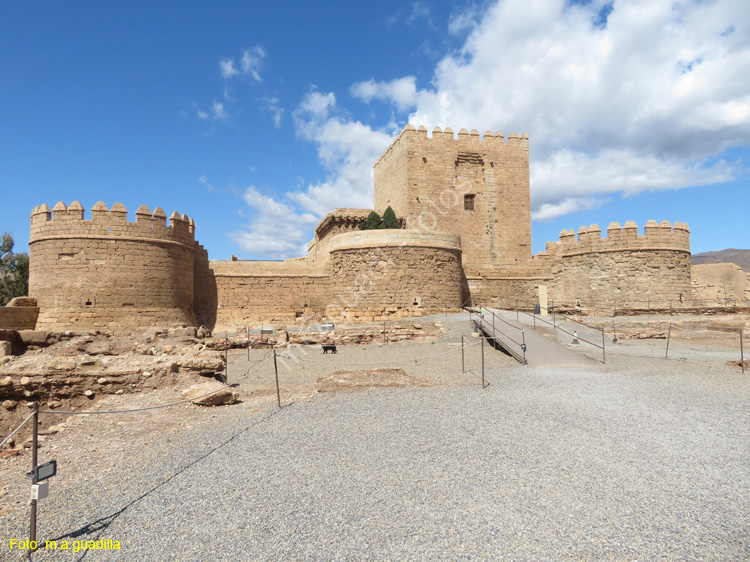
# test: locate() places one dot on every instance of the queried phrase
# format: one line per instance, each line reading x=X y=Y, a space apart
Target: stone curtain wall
x=425 y=180
x=493 y=291
x=110 y=273
x=624 y=268
x=205 y=292
x=395 y=273
x=255 y=293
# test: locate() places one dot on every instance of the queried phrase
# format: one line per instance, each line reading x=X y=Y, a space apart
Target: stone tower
x=475 y=187
x=107 y=272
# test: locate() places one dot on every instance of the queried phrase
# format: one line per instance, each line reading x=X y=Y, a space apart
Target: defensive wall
x=108 y=272
x=623 y=267
x=370 y=276
x=468 y=198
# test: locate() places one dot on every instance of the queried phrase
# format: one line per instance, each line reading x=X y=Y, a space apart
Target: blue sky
x=258 y=118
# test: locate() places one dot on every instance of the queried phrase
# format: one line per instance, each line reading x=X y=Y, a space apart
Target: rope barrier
x=88 y=412
x=377 y=362
x=31 y=415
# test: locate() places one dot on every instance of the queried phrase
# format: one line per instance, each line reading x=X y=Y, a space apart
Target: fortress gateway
x=466 y=210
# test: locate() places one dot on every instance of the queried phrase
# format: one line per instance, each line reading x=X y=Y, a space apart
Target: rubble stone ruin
x=465 y=206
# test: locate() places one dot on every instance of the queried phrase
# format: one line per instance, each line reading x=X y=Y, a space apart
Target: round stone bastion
x=397 y=273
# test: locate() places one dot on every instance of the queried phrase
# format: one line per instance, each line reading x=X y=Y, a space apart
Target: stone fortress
x=465 y=206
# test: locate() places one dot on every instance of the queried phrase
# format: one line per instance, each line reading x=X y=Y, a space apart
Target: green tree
x=389 y=219
x=14 y=271
x=372 y=222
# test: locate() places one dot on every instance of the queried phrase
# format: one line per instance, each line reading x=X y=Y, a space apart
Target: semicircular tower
x=107 y=272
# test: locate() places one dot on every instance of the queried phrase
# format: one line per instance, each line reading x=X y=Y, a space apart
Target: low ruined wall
x=110 y=273
x=382 y=274
x=251 y=294
x=19 y=314
x=506 y=291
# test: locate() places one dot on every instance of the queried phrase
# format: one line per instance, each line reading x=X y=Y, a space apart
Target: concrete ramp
x=540 y=351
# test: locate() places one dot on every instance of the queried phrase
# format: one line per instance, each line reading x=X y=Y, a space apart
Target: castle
x=465 y=206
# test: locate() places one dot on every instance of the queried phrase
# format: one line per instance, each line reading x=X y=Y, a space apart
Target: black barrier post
x=463 y=362
x=669 y=333
x=226 y=359
x=276 y=370
x=34 y=462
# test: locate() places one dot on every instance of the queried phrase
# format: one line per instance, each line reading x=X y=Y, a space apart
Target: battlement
x=469 y=140
x=68 y=222
x=656 y=236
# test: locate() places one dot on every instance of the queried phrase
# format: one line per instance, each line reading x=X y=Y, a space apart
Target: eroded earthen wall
x=19 y=314
x=110 y=273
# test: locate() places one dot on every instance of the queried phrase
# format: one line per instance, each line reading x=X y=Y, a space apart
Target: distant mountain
x=730 y=255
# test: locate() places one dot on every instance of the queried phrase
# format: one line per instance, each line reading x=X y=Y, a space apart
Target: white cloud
x=220 y=114
x=644 y=101
x=227 y=69
x=204 y=181
x=464 y=20
x=249 y=64
x=549 y=211
x=411 y=13
x=252 y=60
x=402 y=92
x=273 y=105
x=275 y=231
x=644 y=97
x=347 y=150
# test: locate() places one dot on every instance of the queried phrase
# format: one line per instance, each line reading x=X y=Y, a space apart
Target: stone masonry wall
x=394 y=273
x=624 y=268
x=110 y=273
x=427 y=179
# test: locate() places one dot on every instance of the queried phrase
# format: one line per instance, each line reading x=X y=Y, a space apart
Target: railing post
x=516 y=310
x=669 y=333
x=463 y=361
x=248 y=342
x=482 y=336
x=535 y=319
x=34 y=461
x=604 y=353
x=742 y=354
x=523 y=341
x=276 y=370
x=226 y=358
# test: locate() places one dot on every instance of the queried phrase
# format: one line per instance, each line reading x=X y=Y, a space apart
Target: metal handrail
x=520 y=356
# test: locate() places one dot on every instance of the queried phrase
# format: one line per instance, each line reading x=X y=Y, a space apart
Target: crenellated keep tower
x=106 y=272
x=476 y=187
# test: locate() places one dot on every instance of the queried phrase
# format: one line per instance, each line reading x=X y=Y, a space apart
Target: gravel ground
x=639 y=459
